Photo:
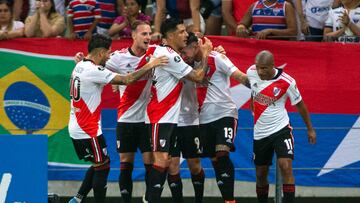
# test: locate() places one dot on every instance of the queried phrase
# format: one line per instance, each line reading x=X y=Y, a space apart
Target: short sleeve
x=70 y=11
x=329 y=21
x=18 y=25
x=97 y=11
x=100 y=75
x=119 y=20
x=224 y=64
x=294 y=93
x=113 y=63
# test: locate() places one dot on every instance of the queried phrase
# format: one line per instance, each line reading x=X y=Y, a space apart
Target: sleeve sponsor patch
x=177 y=59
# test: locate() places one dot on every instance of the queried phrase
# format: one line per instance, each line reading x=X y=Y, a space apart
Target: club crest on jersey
x=276 y=91
x=162 y=142
x=147 y=59
x=177 y=59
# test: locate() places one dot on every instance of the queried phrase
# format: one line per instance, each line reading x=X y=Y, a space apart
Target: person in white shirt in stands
x=87 y=81
x=270 y=89
x=9 y=28
x=343 y=23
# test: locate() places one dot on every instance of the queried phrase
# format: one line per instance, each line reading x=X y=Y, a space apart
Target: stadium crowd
x=310 y=20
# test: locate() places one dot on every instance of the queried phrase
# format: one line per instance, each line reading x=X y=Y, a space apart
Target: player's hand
x=78 y=57
x=205 y=47
x=115 y=88
x=159 y=61
x=263 y=34
x=311 y=136
x=220 y=49
x=156 y=36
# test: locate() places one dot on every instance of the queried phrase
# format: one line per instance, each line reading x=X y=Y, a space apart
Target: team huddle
x=175 y=100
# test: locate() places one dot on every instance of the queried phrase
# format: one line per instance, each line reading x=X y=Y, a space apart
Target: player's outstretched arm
x=241 y=77
x=133 y=77
x=302 y=109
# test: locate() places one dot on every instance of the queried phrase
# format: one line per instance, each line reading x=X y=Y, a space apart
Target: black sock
x=100 y=182
x=289 y=193
x=157 y=178
x=262 y=193
x=125 y=181
x=86 y=185
x=198 y=183
x=176 y=186
x=147 y=172
x=225 y=173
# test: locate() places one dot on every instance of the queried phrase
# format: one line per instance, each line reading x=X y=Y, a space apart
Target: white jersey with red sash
x=86 y=85
x=164 y=106
x=269 y=98
x=133 y=97
x=214 y=98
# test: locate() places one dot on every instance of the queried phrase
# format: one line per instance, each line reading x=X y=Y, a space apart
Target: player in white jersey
x=87 y=81
x=272 y=131
x=164 y=107
x=131 y=131
x=343 y=22
x=218 y=115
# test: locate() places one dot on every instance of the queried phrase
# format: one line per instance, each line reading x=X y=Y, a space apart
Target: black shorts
x=282 y=142
x=131 y=136
x=163 y=137
x=188 y=142
x=219 y=132
x=92 y=149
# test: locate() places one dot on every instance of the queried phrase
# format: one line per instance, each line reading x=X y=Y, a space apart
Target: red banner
x=326 y=73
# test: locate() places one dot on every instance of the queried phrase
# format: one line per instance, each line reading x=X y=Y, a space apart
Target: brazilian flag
x=34 y=99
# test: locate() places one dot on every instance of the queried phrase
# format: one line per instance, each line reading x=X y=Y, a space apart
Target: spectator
x=186 y=10
x=59 y=6
x=343 y=22
x=233 y=11
x=46 y=22
x=122 y=24
x=312 y=17
x=108 y=14
x=9 y=28
x=83 y=17
x=269 y=19
x=211 y=11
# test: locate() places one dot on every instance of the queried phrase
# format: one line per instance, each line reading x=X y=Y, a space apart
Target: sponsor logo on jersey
x=263 y=99
x=177 y=59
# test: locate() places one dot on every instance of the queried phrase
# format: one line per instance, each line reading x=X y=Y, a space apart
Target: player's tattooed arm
x=134 y=76
x=241 y=77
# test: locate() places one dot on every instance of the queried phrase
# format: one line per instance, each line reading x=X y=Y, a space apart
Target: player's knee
x=194 y=165
x=174 y=166
x=285 y=166
x=105 y=163
x=127 y=157
x=222 y=153
x=162 y=159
